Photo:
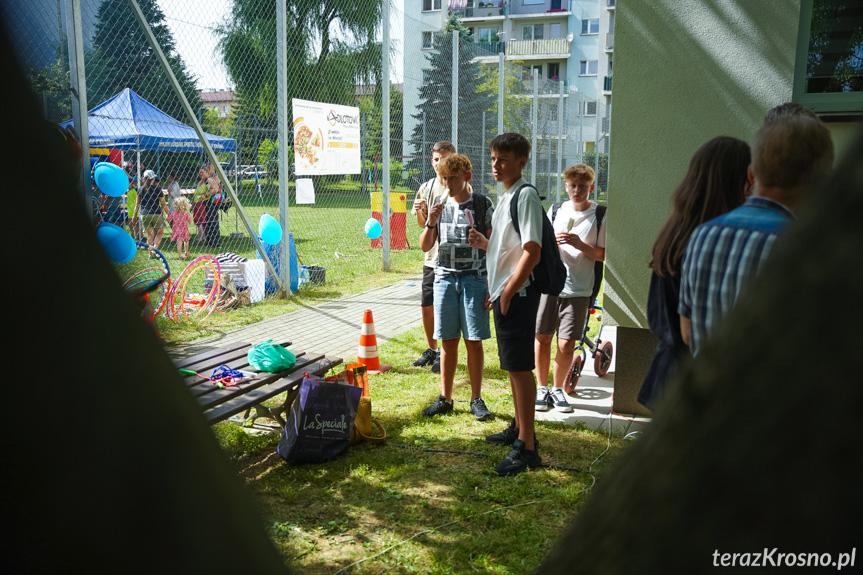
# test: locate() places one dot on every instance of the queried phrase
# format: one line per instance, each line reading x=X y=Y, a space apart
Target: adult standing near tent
x=213 y=237
x=151 y=206
x=174 y=191
x=199 y=205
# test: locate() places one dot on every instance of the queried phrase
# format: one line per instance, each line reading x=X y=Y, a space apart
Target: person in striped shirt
x=791 y=150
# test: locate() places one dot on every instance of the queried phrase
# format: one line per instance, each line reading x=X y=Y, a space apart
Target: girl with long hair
x=715 y=183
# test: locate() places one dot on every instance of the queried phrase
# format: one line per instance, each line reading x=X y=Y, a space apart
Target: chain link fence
x=334 y=57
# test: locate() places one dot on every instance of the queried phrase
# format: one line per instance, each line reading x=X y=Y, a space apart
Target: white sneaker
x=559 y=399
x=543 y=399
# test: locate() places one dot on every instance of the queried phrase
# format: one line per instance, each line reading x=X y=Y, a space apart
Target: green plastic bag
x=270 y=357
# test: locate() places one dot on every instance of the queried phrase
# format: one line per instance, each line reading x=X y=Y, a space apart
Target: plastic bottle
x=304 y=276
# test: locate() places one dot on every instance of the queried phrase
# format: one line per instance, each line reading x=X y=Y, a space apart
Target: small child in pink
x=179 y=220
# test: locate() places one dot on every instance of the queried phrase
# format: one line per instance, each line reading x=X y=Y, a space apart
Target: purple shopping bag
x=319 y=426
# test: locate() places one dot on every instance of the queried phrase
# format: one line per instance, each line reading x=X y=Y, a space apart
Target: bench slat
x=258 y=395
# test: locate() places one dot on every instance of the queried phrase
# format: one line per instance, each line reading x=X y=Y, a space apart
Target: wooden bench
x=218 y=404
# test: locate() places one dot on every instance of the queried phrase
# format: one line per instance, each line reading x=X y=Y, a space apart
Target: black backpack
x=549 y=274
x=598 y=266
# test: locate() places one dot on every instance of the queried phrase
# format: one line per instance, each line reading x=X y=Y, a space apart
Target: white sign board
x=326 y=139
x=305 y=191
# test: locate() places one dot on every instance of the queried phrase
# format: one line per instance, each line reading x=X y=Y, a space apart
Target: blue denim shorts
x=459 y=307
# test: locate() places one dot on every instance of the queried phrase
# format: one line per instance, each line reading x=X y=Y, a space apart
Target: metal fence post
x=500 y=128
x=77 y=77
x=534 y=120
x=559 y=142
x=385 y=133
x=288 y=272
x=454 y=137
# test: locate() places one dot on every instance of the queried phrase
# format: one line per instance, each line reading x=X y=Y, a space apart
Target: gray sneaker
x=543 y=399
x=479 y=410
x=559 y=399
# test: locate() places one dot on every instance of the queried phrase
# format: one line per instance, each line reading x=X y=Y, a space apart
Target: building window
x=488 y=35
x=588 y=147
x=428 y=38
x=528 y=72
x=553 y=70
x=532 y=32
x=588 y=68
x=589 y=108
x=554 y=31
x=532 y=2
x=828 y=75
x=429 y=5
x=590 y=26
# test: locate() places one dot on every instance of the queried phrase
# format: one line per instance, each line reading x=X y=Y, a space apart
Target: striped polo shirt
x=722 y=258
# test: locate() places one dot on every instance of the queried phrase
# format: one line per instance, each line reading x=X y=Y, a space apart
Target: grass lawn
x=324 y=517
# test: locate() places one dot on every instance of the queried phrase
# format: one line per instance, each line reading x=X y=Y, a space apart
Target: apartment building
x=567 y=41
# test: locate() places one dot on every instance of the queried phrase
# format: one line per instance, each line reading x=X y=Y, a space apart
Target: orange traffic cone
x=367 y=351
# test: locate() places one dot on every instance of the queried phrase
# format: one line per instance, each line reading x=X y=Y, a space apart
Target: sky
x=192 y=25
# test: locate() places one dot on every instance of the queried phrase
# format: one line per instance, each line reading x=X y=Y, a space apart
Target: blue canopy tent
x=129 y=122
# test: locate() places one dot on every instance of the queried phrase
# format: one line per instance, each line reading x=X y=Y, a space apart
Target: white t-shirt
x=579 y=267
x=505 y=247
x=173 y=193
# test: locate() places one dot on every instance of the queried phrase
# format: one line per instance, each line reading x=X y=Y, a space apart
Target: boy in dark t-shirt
x=461 y=282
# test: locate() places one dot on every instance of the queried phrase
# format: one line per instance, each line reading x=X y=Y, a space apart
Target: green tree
x=51 y=85
x=371 y=108
x=123 y=59
x=436 y=94
x=331 y=49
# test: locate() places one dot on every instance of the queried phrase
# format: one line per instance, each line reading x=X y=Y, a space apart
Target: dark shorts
x=515 y=331
x=428 y=287
x=564 y=315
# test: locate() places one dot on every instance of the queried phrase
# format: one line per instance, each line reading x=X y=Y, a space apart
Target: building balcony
x=488 y=48
x=548 y=8
x=481 y=10
x=606 y=85
x=609 y=4
x=553 y=47
x=609 y=42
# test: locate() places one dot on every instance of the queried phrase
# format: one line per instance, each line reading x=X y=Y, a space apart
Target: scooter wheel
x=574 y=374
x=602 y=361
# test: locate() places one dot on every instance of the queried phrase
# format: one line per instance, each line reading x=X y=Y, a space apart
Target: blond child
x=179 y=220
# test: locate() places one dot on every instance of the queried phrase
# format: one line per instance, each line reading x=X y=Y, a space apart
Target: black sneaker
x=436 y=365
x=479 y=410
x=559 y=399
x=543 y=399
x=440 y=407
x=505 y=437
x=427 y=358
x=518 y=460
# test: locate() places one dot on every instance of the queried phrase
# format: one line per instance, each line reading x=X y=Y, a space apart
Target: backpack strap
x=480 y=205
x=513 y=207
x=554 y=208
x=600 y=215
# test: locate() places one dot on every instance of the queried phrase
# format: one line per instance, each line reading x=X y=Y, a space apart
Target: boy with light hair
x=460 y=283
x=581 y=239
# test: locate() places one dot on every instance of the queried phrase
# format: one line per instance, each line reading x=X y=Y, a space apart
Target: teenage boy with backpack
x=428 y=193
x=460 y=284
x=512 y=253
x=581 y=235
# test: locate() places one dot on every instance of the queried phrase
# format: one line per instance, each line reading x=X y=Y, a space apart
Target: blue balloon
x=373 y=229
x=270 y=229
x=110 y=179
x=117 y=243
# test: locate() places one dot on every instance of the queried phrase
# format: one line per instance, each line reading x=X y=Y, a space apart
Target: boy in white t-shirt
x=582 y=243
x=511 y=257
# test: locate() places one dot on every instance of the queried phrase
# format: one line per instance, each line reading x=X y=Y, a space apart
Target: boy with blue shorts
x=460 y=284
